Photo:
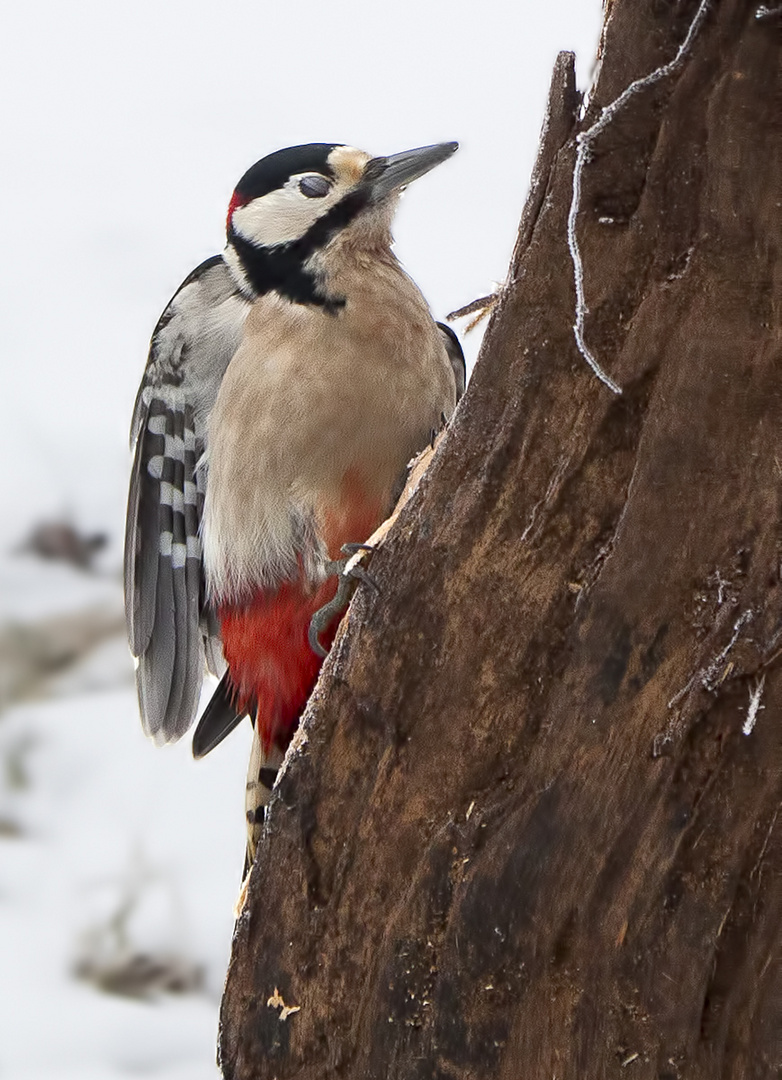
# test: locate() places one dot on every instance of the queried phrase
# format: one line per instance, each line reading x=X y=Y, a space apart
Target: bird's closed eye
x=314 y=186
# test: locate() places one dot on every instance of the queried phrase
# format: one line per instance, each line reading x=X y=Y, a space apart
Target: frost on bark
x=532 y=827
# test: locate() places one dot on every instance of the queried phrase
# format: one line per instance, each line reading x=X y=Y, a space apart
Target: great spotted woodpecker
x=290 y=381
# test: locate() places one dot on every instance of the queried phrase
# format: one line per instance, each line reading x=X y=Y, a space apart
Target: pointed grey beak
x=388 y=174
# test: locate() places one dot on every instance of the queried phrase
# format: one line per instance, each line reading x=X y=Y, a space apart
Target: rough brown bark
x=524 y=835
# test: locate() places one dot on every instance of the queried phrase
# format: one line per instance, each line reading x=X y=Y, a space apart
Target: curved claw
x=348 y=576
x=320 y=621
x=352 y=568
x=360 y=574
x=351 y=549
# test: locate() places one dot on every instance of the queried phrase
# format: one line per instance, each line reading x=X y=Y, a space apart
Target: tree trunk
x=531 y=827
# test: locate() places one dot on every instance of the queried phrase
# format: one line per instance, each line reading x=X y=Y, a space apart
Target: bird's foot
x=349 y=573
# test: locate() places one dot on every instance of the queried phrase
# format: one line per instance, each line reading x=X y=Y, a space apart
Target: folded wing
x=171 y=627
x=456 y=357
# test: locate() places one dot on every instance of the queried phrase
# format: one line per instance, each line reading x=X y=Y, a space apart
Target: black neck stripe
x=282 y=268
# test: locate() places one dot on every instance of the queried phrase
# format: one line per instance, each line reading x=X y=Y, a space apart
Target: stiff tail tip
x=219 y=719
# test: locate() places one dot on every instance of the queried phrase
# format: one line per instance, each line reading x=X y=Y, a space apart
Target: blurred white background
x=124 y=129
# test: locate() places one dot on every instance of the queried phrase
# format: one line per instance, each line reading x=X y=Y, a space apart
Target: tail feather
x=261 y=774
x=219 y=719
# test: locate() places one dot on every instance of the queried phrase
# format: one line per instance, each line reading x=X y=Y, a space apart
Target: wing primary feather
x=194 y=657
x=132 y=540
x=145 y=530
x=156 y=666
x=175 y=723
x=155 y=672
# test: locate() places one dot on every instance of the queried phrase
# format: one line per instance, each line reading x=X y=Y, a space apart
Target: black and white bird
x=290 y=381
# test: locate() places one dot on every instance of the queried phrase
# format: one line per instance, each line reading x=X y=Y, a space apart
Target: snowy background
x=124 y=130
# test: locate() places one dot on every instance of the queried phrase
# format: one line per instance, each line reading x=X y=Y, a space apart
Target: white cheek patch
x=283 y=215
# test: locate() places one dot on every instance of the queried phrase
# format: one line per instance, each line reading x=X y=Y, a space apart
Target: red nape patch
x=236 y=200
x=272 y=665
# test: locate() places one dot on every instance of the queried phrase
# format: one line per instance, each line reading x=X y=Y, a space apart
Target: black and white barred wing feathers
x=170 y=624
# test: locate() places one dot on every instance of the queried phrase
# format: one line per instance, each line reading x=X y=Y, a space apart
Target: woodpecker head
x=291 y=206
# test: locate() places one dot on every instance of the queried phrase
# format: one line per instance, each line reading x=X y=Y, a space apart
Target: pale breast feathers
x=309 y=399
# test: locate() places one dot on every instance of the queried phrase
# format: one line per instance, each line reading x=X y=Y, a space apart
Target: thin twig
x=584 y=143
x=475 y=305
